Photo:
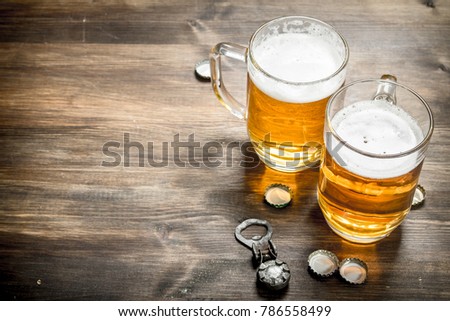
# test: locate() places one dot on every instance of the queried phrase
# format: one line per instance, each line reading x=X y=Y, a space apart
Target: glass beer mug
x=376 y=135
x=294 y=64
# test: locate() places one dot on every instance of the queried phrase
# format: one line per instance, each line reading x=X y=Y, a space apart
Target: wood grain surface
x=76 y=75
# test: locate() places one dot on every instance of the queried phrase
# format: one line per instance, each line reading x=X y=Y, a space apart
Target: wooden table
x=76 y=75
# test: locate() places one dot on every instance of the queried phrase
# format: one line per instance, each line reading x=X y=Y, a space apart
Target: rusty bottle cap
x=274 y=274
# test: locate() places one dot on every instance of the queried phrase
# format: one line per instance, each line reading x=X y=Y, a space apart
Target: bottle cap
x=274 y=274
x=419 y=197
x=353 y=270
x=323 y=263
x=202 y=70
x=278 y=195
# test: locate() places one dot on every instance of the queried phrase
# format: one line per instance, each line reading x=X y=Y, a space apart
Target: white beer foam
x=376 y=127
x=297 y=57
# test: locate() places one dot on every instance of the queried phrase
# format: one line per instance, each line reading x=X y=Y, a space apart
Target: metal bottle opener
x=271 y=272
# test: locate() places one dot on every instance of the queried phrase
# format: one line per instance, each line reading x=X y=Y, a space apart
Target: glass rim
x=419 y=146
x=334 y=74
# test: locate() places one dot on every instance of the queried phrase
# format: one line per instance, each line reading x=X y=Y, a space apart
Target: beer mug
x=376 y=135
x=294 y=64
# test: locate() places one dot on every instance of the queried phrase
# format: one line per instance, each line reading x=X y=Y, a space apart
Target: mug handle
x=229 y=50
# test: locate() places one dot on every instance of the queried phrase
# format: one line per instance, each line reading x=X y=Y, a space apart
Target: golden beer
x=286 y=134
x=364 y=208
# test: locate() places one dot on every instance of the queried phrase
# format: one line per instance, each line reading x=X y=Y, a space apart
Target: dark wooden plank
x=186 y=22
x=76 y=75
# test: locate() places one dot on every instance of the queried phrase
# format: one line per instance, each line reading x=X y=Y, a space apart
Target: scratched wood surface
x=79 y=79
